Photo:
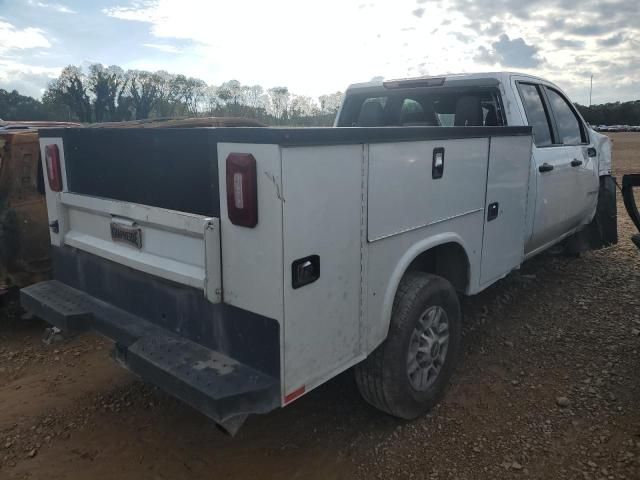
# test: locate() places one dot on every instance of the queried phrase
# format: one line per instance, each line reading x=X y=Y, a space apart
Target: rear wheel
x=410 y=371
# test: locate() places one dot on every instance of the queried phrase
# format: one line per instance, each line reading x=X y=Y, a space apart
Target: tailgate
x=146 y=199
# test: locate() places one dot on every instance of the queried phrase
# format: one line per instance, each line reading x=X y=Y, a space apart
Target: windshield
x=433 y=108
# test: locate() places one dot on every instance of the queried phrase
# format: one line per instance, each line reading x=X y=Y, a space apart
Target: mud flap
x=628 y=184
x=603 y=229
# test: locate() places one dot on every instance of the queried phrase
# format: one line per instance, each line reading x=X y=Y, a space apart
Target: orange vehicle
x=24 y=230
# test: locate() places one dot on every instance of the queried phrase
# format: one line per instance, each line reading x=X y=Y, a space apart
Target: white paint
x=390 y=257
x=84 y=223
x=565 y=198
x=404 y=196
x=252 y=263
x=322 y=217
x=54 y=213
x=507 y=185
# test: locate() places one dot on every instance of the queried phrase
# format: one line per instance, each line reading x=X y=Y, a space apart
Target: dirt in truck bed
x=548 y=388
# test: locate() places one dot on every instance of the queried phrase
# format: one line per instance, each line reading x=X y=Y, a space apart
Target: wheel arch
x=445 y=254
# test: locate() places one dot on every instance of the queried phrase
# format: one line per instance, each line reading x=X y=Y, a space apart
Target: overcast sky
x=320 y=46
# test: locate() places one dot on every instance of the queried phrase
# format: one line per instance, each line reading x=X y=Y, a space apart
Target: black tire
x=383 y=378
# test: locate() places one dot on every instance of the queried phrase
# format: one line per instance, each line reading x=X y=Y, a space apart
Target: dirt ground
x=561 y=327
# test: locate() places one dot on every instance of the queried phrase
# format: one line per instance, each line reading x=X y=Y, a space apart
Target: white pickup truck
x=239 y=268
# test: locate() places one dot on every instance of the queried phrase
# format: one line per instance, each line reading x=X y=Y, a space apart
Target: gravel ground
x=549 y=387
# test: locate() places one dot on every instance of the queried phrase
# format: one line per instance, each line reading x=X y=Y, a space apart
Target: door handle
x=545 y=167
x=492 y=211
x=437 y=167
x=576 y=163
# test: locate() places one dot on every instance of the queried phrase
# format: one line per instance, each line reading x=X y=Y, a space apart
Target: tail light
x=242 y=190
x=54 y=172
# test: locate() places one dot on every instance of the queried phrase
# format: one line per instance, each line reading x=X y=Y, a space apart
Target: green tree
x=14 y=106
x=144 y=89
x=70 y=89
x=107 y=85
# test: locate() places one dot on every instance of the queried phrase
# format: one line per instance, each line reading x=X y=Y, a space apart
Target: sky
x=316 y=47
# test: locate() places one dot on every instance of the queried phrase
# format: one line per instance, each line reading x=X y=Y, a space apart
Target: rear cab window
x=430 y=107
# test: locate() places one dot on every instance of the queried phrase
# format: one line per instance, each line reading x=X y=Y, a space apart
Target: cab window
x=570 y=131
x=429 y=108
x=537 y=116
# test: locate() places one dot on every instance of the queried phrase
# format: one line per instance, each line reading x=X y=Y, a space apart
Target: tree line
x=103 y=94
x=110 y=94
x=616 y=113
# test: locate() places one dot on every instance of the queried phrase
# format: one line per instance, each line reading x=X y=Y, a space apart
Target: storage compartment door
x=322 y=226
x=505 y=208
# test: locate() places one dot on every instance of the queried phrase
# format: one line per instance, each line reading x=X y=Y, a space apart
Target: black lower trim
x=249 y=338
x=216 y=384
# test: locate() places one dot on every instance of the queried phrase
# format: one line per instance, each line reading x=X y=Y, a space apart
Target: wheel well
x=448 y=261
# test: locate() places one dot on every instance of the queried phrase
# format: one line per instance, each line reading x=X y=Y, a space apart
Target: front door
x=572 y=134
x=555 y=178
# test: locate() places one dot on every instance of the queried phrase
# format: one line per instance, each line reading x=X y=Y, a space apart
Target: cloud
x=142 y=12
x=484 y=55
x=569 y=44
x=510 y=53
x=58 y=7
x=589 y=29
x=163 y=47
x=553 y=25
x=12 y=38
x=613 y=40
x=461 y=37
x=27 y=79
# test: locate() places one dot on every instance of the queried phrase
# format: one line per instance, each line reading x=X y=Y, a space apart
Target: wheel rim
x=428 y=348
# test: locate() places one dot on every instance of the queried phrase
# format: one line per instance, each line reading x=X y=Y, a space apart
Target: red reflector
x=54 y=172
x=293 y=395
x=242 y=190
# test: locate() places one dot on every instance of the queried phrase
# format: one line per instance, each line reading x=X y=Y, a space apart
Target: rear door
x=555 y=177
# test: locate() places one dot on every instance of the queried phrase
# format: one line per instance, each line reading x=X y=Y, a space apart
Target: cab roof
x=450 y=79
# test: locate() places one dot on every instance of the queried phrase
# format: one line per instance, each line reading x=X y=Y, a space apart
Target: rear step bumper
x=215 y=384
